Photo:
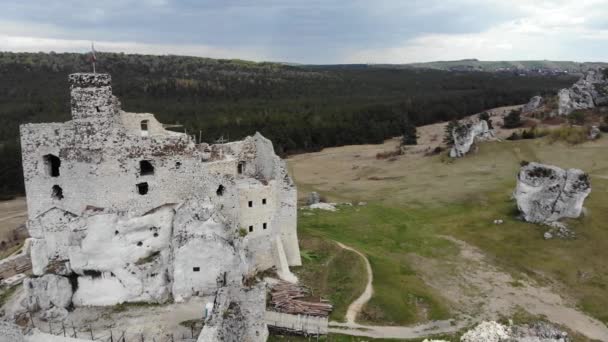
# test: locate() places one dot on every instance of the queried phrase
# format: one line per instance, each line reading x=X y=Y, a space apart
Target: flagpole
x=93 y=57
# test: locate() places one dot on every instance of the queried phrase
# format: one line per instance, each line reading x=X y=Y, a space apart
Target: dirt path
x=355 y=329
x=355 y=307
x=471 y=280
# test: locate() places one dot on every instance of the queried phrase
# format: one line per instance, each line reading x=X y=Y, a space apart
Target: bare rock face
x=10 y=332
x=594 y=133
x=466 y=134
x=536 y=103
x=546 y=193
x=539 y=331
x=588 y=92
x=47 y=292
x=490 y=331
x=237 y=316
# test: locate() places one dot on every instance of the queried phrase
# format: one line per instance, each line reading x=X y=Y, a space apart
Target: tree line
x=300 y=108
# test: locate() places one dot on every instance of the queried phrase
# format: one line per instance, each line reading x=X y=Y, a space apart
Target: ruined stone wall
x=142 y=217
x=144 y=124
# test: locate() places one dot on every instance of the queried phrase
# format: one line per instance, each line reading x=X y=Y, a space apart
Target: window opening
x=57 y=192
x=142 y=188
x=52 y=163
x=146 y=167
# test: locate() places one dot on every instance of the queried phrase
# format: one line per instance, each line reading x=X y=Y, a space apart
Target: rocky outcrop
x=535 y=103
x=547 y=193
x=466 y=134
x=594 y=133
x=10 y=332
x=490 y=331
x=237 y=316
x=588 y=92
x=539 y=331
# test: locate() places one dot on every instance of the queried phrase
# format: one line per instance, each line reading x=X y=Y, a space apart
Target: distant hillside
x=300 y=108
x=543 y=67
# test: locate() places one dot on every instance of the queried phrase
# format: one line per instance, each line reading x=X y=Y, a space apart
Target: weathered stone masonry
x=129 y=211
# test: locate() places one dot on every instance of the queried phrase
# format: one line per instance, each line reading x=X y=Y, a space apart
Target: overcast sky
x=314 y=31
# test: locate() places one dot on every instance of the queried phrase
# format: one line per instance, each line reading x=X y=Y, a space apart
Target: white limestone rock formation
x=10 y=332
x=313 y=198
x=237 y=316
x=539 y=332
x=594 y=133
x=535 y=103
x=589 y=91
x=466 y=134
x=547 y=193
x=487 y=331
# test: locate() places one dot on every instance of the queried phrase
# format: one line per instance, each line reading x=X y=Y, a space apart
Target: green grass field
x=421 y=198
x=331 y=273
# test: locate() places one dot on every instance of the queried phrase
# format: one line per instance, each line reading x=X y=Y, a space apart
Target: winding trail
x=473 y=272
x=350 y=327
x=356 y=306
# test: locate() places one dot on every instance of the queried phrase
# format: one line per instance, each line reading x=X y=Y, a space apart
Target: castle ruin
x=124 y=210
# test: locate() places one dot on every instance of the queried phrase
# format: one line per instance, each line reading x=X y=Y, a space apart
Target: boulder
x=589 y=91
x=466 y=134
x=487 y=331
x=547 y=193
x=539 y=331
x=535 y=103
x=324 y=206
x=594 y=133
x=47 y=292
x=313 y=198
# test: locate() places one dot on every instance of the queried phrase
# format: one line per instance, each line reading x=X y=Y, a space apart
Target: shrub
x=528 y=134
x=389 y=154
x=448 y=139
x=576 y=118
x=410 y=134
x=514 y=136
x=569 y=134
x=604 y=126
x=513 y=119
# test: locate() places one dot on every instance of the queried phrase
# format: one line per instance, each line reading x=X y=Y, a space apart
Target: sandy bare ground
x=476 y=284
x=473 y=282
x=356 y=172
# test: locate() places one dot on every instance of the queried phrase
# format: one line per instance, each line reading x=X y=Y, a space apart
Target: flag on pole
x=93 y=57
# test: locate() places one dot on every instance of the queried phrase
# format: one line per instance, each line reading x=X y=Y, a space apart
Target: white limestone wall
x=108 y=178
x=132 y=122
x=206 y=250
x=127 y=246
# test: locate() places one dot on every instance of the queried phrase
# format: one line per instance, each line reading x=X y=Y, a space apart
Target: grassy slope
x=461 y=199
x=386 y=235
x=331 y=272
